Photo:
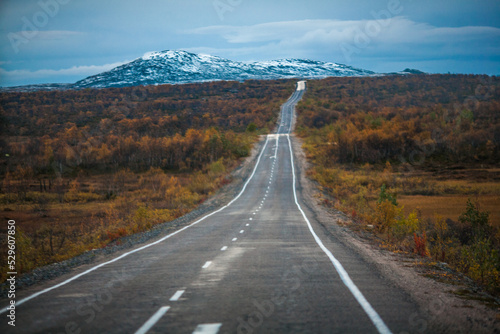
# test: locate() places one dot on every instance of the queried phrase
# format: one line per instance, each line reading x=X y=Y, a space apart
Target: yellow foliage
x=406 y=226
x=386 y=215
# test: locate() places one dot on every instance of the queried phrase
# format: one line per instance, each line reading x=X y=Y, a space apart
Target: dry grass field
x=450 y=206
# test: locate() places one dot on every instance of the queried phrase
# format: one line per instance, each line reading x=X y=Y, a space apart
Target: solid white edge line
x=153 y=320
x=24 y=300
x=344 y=276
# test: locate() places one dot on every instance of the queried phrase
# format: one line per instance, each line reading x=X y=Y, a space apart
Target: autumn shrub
x=421 y=244
x=405 y=226
x=385 y=216
x=27 y=256
x=202 y=183
x=141 y=218
x=217 y=168
x=476 y=223
x=440 y=242
x=158 y=216
x=479 y=257
x=386 y=196
x=116 y=233
x=481 y=261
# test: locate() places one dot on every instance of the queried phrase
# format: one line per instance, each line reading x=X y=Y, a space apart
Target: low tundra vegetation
x=413 y=160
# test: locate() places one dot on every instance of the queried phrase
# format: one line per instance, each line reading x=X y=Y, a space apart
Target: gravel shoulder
x=448 y=302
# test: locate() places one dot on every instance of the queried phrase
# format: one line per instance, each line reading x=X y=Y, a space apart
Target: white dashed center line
x=207 y=264
x=234 y=239
x=223 y=248
x=207 y=329
x=242 y=231
x=153 y=320
x=177 y=295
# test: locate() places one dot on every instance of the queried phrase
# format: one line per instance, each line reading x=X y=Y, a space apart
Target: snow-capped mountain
x=175 y=67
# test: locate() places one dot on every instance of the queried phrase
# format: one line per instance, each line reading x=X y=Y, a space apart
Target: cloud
x=67 y=75
x=393 y=30
x=348 y=39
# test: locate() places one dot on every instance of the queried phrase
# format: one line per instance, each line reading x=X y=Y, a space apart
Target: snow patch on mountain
x=175 y=67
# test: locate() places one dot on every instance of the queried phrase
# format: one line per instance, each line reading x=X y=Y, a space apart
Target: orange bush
x=421 y=244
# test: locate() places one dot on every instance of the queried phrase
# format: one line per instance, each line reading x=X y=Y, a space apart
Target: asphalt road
x=262 y=264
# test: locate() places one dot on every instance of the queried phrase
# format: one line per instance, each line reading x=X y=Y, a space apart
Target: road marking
x=234 y=239
x=153 y=320
x=207 y=329
x=22 y=301
x=301 y=85
x=276 y=151
x=250 y=219
x=177 y=295
x=242 y=231
x=223 y=248
x=344 y=276
x=248 y=225
x=207 y=264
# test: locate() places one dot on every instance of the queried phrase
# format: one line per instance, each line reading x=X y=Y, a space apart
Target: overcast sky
x=46 y=41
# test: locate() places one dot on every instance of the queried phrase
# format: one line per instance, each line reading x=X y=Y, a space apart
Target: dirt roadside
x=441 y=308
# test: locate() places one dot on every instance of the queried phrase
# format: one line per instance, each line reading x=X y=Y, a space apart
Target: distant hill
x=178 y=67
x=174 y=67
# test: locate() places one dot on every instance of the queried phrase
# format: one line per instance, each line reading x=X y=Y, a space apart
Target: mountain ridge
x=177 y=67
x=181 y=67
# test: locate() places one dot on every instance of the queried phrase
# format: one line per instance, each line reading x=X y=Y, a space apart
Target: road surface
x=261 y=264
